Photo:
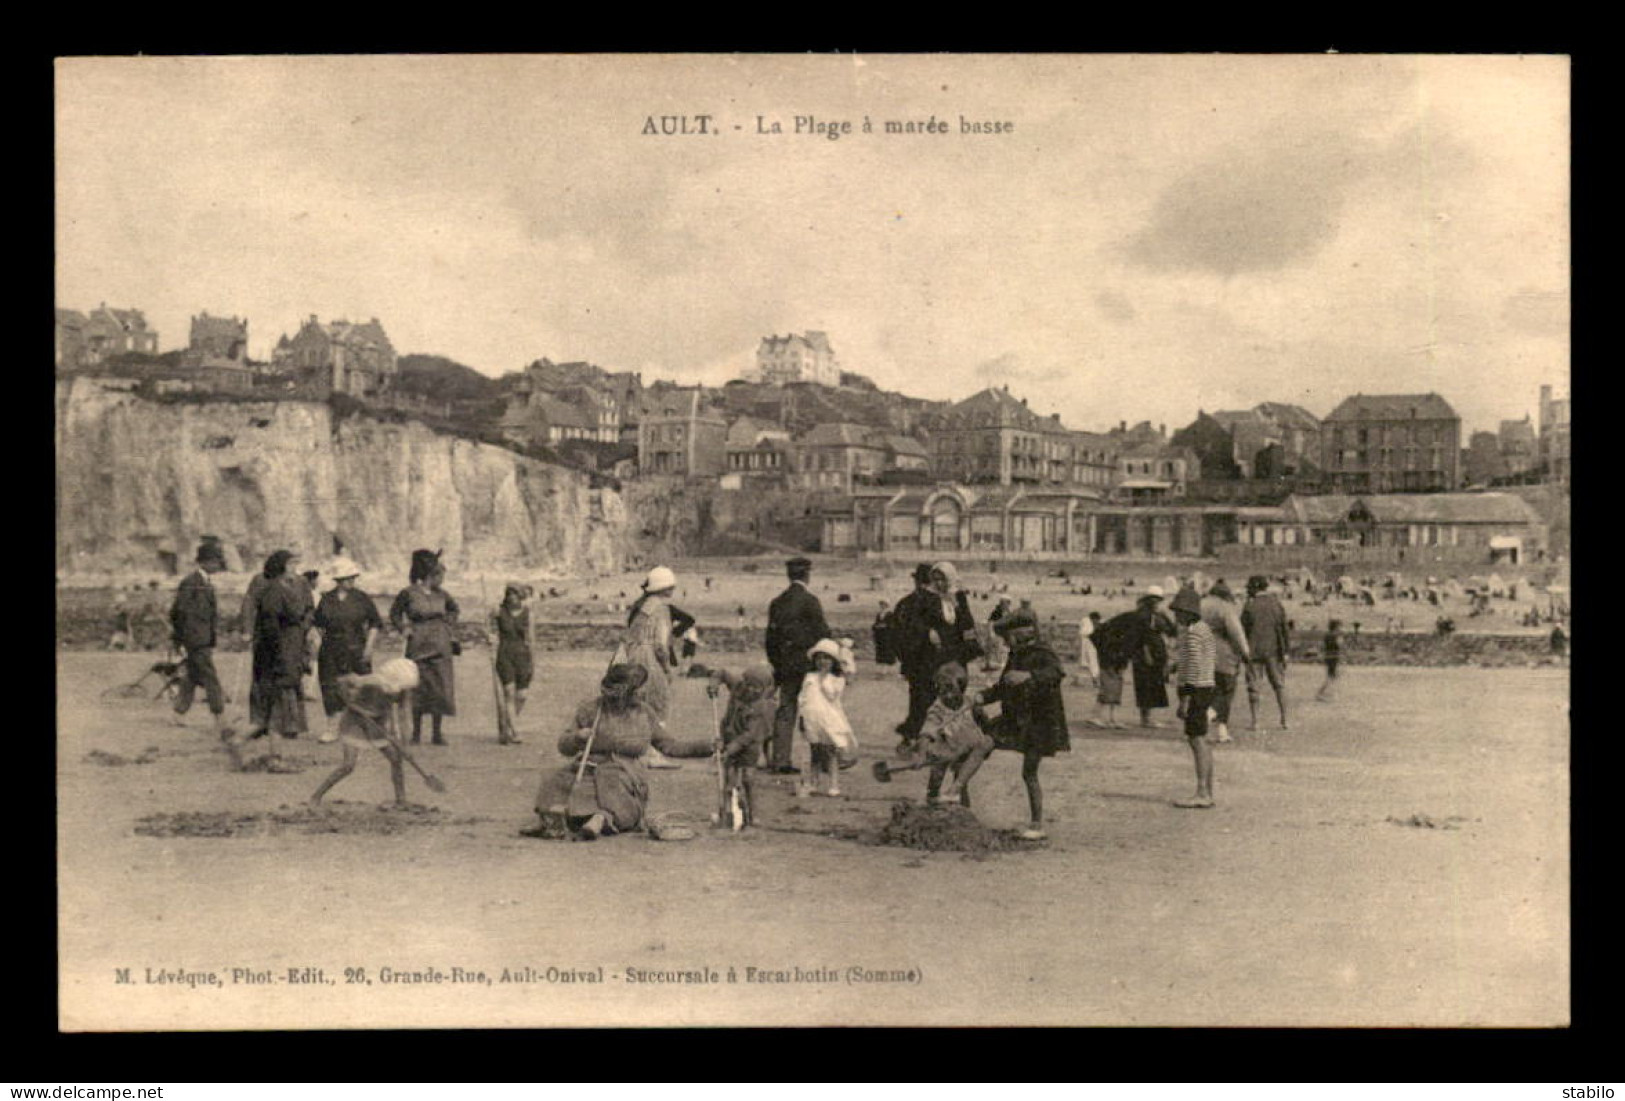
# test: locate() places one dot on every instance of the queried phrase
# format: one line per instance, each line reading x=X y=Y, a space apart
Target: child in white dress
x=822 y=718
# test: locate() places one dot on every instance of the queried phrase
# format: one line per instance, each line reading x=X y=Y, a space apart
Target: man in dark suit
x=192 y=620
x=795 y=622
x=936 y=627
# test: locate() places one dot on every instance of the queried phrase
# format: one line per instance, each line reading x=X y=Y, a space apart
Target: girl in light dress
x=831 y=743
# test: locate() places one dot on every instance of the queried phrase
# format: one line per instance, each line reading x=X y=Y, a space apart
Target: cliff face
x=138 y=482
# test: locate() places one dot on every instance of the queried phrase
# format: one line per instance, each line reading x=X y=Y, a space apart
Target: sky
x=1152 y=236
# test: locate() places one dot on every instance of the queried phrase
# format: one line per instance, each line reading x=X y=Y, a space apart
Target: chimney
x=1122 y=426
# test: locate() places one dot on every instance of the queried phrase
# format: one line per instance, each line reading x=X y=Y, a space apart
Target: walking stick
x=586 y=751
x=504 y=722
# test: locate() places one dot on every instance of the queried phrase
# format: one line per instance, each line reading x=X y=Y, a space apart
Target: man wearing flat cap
x=193 y=623
x=795 y=623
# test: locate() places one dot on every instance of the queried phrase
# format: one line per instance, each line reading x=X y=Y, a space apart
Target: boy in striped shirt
x=1196 y=650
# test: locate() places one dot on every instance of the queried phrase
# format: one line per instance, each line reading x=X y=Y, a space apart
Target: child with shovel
x=951 y=738
x=372 y=703
x=747 y=725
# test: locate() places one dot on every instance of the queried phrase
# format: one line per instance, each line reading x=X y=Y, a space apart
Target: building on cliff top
x=681 y=433
x=797 y=357
x=354 y=358
x=1392 y=443
x=89 y=340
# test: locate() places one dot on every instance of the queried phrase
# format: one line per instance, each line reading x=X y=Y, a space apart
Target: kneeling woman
x=605 y=789
x=372 y=702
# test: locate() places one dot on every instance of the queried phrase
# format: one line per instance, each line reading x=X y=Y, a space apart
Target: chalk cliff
x=139 y=481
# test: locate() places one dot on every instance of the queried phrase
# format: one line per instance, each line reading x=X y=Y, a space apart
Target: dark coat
x=920 y=613
x=795 y=622
x=1032 y=715
x=344 y=623
x=1264 y=620
x=192 y=616
x=1116 y=641
x=285 y=614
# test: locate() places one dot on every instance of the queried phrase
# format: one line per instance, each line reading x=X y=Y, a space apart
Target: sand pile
x=114 y=760
x=948 y=829
x=279 y=764
x=339 y=817
x=1426 y=822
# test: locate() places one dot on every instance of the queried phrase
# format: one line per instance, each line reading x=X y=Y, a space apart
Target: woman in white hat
x=648 y=642
x=349 y=624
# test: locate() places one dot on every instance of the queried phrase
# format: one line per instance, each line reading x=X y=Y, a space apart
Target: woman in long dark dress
x=1151 y=655
x=262 y=651
x=426 y=614
x=349 y=624
x=285 y=611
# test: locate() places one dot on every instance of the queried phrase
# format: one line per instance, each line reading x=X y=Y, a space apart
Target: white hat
x=342 y=567
x=1153 y=590
x=826 y=646
x=399 y=675
x=660 y=578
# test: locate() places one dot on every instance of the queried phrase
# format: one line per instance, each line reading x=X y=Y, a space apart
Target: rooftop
x=1372 y=407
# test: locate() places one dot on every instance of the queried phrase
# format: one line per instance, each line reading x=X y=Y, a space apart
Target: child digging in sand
x=372 y=705
x=953 y=738
x=747 y=724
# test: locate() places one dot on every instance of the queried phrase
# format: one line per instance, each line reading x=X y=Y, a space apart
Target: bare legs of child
x=346 y=766
x=1203 y=754
x=1328 y=689
x=963 y=770
x=1030 y=760
x=825 y=769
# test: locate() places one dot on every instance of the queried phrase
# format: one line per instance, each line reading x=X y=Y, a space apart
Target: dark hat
x=922 y=573
x=1220 y=589
x=211 y=551
x=627 y=676
x=1021 y=617
x=1186 y=600
x=798 y=568
x=424 y=563
x=1257 y=583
